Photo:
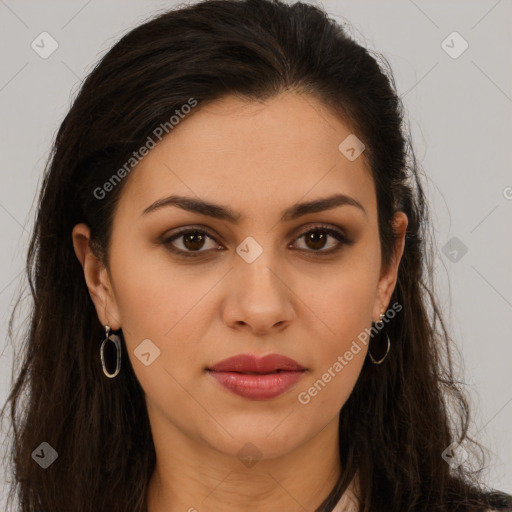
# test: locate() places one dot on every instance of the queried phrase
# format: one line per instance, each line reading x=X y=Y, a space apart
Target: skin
x=258 y=158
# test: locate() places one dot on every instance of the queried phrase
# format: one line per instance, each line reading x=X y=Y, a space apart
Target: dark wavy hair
x=400 y=416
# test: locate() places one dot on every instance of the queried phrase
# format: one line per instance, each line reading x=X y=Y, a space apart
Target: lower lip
x=257 y=387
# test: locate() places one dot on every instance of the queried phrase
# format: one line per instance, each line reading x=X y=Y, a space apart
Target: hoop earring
x=385 y=355
x=114 y=338
x=387 y=350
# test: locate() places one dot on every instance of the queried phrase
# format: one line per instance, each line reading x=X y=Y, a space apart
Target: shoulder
x=499 y=501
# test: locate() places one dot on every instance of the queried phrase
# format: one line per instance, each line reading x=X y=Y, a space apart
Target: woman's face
x=255 y=285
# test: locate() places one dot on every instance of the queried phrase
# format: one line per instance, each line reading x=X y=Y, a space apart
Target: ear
x=96 y=278
x=387 y=280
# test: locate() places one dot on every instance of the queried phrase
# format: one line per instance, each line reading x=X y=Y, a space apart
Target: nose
x=259 y=299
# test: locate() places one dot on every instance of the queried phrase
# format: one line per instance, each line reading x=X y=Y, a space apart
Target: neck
x=192 y=477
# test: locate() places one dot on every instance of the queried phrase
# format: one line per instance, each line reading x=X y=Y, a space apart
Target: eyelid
x=187 y=229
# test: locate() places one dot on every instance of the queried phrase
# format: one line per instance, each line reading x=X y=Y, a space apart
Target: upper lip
x=250 y=363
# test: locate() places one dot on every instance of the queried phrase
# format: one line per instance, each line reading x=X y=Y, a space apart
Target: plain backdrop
x=458 y=105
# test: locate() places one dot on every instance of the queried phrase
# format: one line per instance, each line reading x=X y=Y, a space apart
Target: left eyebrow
x=225 y=213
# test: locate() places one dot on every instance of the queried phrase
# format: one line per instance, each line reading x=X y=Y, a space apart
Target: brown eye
x=316 y=239
x=192 y=242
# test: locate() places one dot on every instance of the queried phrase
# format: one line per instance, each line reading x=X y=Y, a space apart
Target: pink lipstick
x=257 y=378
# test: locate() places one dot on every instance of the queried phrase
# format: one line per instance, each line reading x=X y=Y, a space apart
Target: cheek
x=158 y=301
x=148 y=288
x=339 y=353
x=345 y=294
x=329 y=389
x=143 y=298
x=345 y=305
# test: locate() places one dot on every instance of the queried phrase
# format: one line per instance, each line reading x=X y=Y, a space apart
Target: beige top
x=346 y=505
x=348 y=502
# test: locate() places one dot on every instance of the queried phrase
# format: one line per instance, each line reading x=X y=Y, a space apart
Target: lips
x=257 y=378
x=247 y=363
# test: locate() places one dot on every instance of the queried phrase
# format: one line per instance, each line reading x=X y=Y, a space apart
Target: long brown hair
x=400 y=416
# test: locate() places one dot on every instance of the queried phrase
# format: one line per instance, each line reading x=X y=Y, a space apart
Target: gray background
x=459 y=110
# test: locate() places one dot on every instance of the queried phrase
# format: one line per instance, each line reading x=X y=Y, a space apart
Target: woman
x=233 y=306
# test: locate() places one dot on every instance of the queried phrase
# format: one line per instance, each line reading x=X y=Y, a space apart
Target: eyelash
x=338 y=235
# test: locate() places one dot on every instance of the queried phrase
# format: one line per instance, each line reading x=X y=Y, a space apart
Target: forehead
x=252 y=155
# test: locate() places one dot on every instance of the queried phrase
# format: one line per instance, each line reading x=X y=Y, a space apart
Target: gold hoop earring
x=387 y=349
x=385 y=355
